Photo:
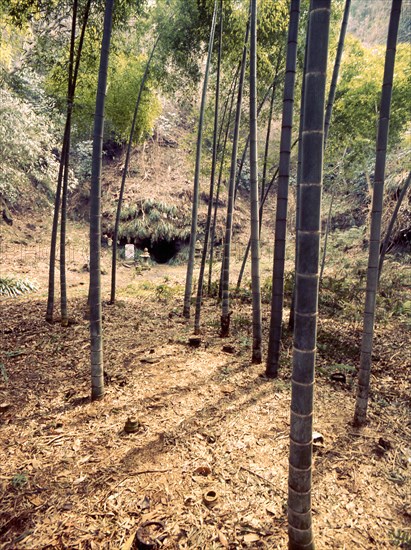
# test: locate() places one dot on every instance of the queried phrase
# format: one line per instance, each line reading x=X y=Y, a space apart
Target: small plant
x=335 y=369
x=401 y=538
x=289 y=281
x=163 y=292
x=19 y=480
x=3 y=373
x=348 y=369
x=245 y=342
x=147 y=285
x=82 y=153
x=242 y=294
x=181 y=257
x=15 y=287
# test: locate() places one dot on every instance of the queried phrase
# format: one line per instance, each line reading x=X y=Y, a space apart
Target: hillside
x=369 y=20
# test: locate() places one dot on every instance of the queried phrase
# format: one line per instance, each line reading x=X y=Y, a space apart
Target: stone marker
x=129 y=252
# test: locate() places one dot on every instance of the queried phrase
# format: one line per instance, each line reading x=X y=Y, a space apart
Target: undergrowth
x=15 y=287
x=152 y=220
x=344 y=294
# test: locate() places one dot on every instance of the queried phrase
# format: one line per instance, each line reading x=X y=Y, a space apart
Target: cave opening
x=162 y=251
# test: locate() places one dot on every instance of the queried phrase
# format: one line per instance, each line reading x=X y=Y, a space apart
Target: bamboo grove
x=264 y=64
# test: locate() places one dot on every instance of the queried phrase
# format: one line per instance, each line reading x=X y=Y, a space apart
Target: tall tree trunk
x=305 y=334
x=225 y=272
x=65 y=151
x=277 y=298
x=96 y=329
x=63 y=234
x=220 y=176
x=194 y=214
x=212 y=178
x=384 y=246
x=336 y=70
x=53 y=243
x=360 y=414
x=254 y=200
x=299 y=160
x=124 y=176
x=63 y=222
x=328 y=113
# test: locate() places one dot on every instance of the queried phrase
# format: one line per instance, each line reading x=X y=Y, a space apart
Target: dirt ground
x=208 y=425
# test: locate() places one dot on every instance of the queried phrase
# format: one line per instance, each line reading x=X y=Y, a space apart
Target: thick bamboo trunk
x=277 y=298
x=254 y=200
x=212 y=178
x=360 y=414
x=225 y=272
x=220 y=176
x=194 y=213
x=96 y=329
x=301 y=423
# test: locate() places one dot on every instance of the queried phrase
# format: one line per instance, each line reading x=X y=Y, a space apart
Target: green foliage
x=345 y=293
x=272 y=34
x=393 y=298
x=15 y=287
x=11 y=41
x=19 y=480
x=401 y=539
x=26 y=144
x=81 y=155
x=164 y=292
x=330 y=369
x=242 y=294
x=124 y=78
x=124 y=83
x=241 y=322
x=355 y=115
x=214 y=289
x=182 y=33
